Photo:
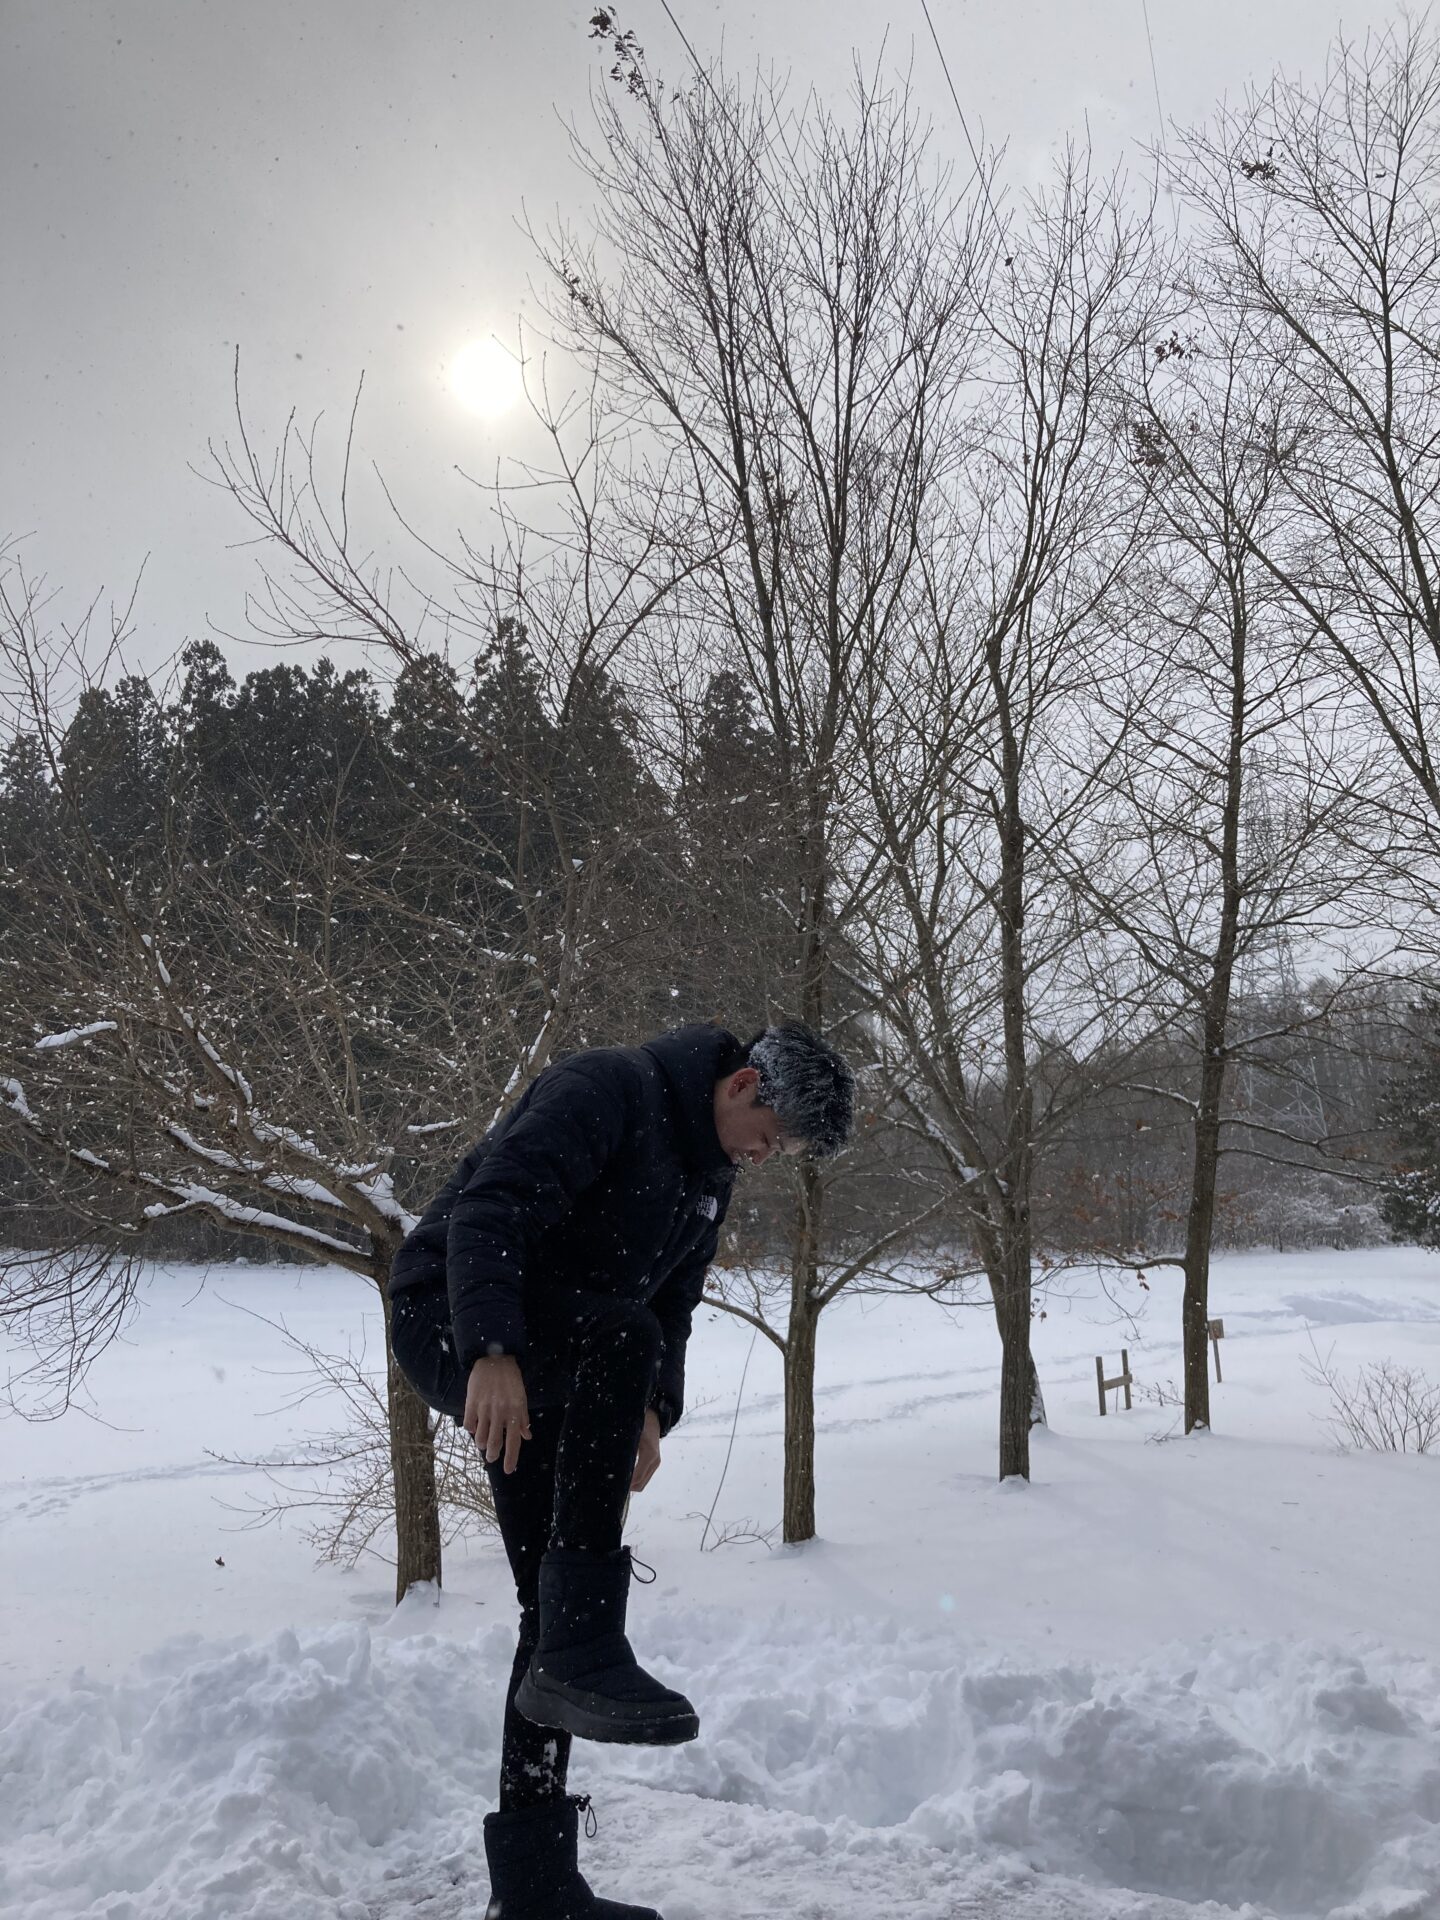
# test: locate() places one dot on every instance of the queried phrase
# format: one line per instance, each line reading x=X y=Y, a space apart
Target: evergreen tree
x=744 y=900
x=1411 y=1206
x=29 y=818
x=115 y=762
x=207 y=749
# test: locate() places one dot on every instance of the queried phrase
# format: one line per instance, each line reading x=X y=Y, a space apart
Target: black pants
x=572 y=1478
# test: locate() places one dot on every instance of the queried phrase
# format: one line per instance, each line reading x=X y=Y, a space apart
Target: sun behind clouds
x=484 y=378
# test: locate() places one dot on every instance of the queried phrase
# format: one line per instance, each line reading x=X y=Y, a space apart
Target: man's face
x=748 y=1132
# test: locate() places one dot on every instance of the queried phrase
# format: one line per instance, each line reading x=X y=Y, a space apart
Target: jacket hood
x=692 y=1060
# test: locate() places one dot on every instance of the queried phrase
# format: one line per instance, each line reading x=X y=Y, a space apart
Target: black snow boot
x=583 y=1676
x=534 y=1874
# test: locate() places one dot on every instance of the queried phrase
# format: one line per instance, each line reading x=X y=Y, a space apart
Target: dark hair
x=809 y=1084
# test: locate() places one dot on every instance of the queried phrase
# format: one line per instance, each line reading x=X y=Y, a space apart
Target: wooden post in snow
x=1121 y=1379
x=1216 y=1330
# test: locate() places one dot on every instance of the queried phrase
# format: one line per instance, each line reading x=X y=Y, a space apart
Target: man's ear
x=744 y=1080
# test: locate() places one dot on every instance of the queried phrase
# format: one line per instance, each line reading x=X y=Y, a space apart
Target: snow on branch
x=360 y=1179
x=52 y=1040
x=1161 y=1093
x=530 y=1060
x=925 y=1125
x=291 y=1186
x=281 y=1136
x=232 y=1076
x=215 y=1156
x=183 y=1196
x=272 y=1134
x=186 y=1197
x=379 y=1191
x=264 y=1153
x=147 y=941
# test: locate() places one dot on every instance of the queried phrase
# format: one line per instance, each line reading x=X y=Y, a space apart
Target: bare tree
x=1317 y=209
x=779 y=299
x=266 y=1030
x=1238 y=816
x=976 y=965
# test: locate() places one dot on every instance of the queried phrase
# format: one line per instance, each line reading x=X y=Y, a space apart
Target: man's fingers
x=499 y=1431
x=495 y=1401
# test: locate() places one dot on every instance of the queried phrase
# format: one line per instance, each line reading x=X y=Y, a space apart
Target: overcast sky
x=335 y=185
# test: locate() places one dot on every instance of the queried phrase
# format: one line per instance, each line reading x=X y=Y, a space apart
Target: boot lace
x=636 y=1561
x=581 y=1804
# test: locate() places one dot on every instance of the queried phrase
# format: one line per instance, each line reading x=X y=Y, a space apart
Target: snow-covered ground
x=1170 y=1678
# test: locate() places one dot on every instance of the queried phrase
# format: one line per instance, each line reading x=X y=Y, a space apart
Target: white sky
x=335 y=186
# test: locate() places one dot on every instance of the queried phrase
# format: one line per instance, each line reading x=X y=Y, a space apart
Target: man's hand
x=648 y=1458
x=496 y=1414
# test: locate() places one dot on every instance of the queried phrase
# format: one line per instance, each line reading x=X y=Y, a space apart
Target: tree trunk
x=412 y=1468
x=799 y=1509
x=1214 y=1029
x=1194 y=1316
x=995 y=1274
x=799 y=1505
x=1199 y=1230
x=1017 y=1367
x=1018 y=1385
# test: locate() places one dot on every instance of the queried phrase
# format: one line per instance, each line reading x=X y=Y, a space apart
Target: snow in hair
x=808 y=1083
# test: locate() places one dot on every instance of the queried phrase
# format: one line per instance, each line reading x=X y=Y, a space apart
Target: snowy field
x=1170 y=1678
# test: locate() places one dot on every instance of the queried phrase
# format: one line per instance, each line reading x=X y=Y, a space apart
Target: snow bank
x=1164 y=1682
x=1287 y=1774
x=304 y=1775
x=251 y=1781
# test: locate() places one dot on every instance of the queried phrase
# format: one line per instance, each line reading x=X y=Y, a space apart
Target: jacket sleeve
x=674 y=1307
x=571 y=1126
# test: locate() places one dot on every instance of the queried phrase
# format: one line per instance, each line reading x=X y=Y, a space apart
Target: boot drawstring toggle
x=636 y=1561
x=581 y=1804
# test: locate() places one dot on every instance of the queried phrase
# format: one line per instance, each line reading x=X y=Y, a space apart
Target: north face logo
x=708 y=1205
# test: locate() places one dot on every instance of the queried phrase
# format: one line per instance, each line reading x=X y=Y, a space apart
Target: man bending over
x=544 y=1301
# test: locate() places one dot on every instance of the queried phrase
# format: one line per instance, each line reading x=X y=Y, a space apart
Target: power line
x=964 y=123
x=945 y=65
x=730 y=119
x=1154 y=76
x=694 y=57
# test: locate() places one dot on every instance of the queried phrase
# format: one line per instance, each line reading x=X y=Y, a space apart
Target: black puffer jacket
x=607 y=1173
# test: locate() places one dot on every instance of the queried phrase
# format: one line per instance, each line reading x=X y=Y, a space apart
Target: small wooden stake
x=1122 y=1379
x=1216 y=1330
